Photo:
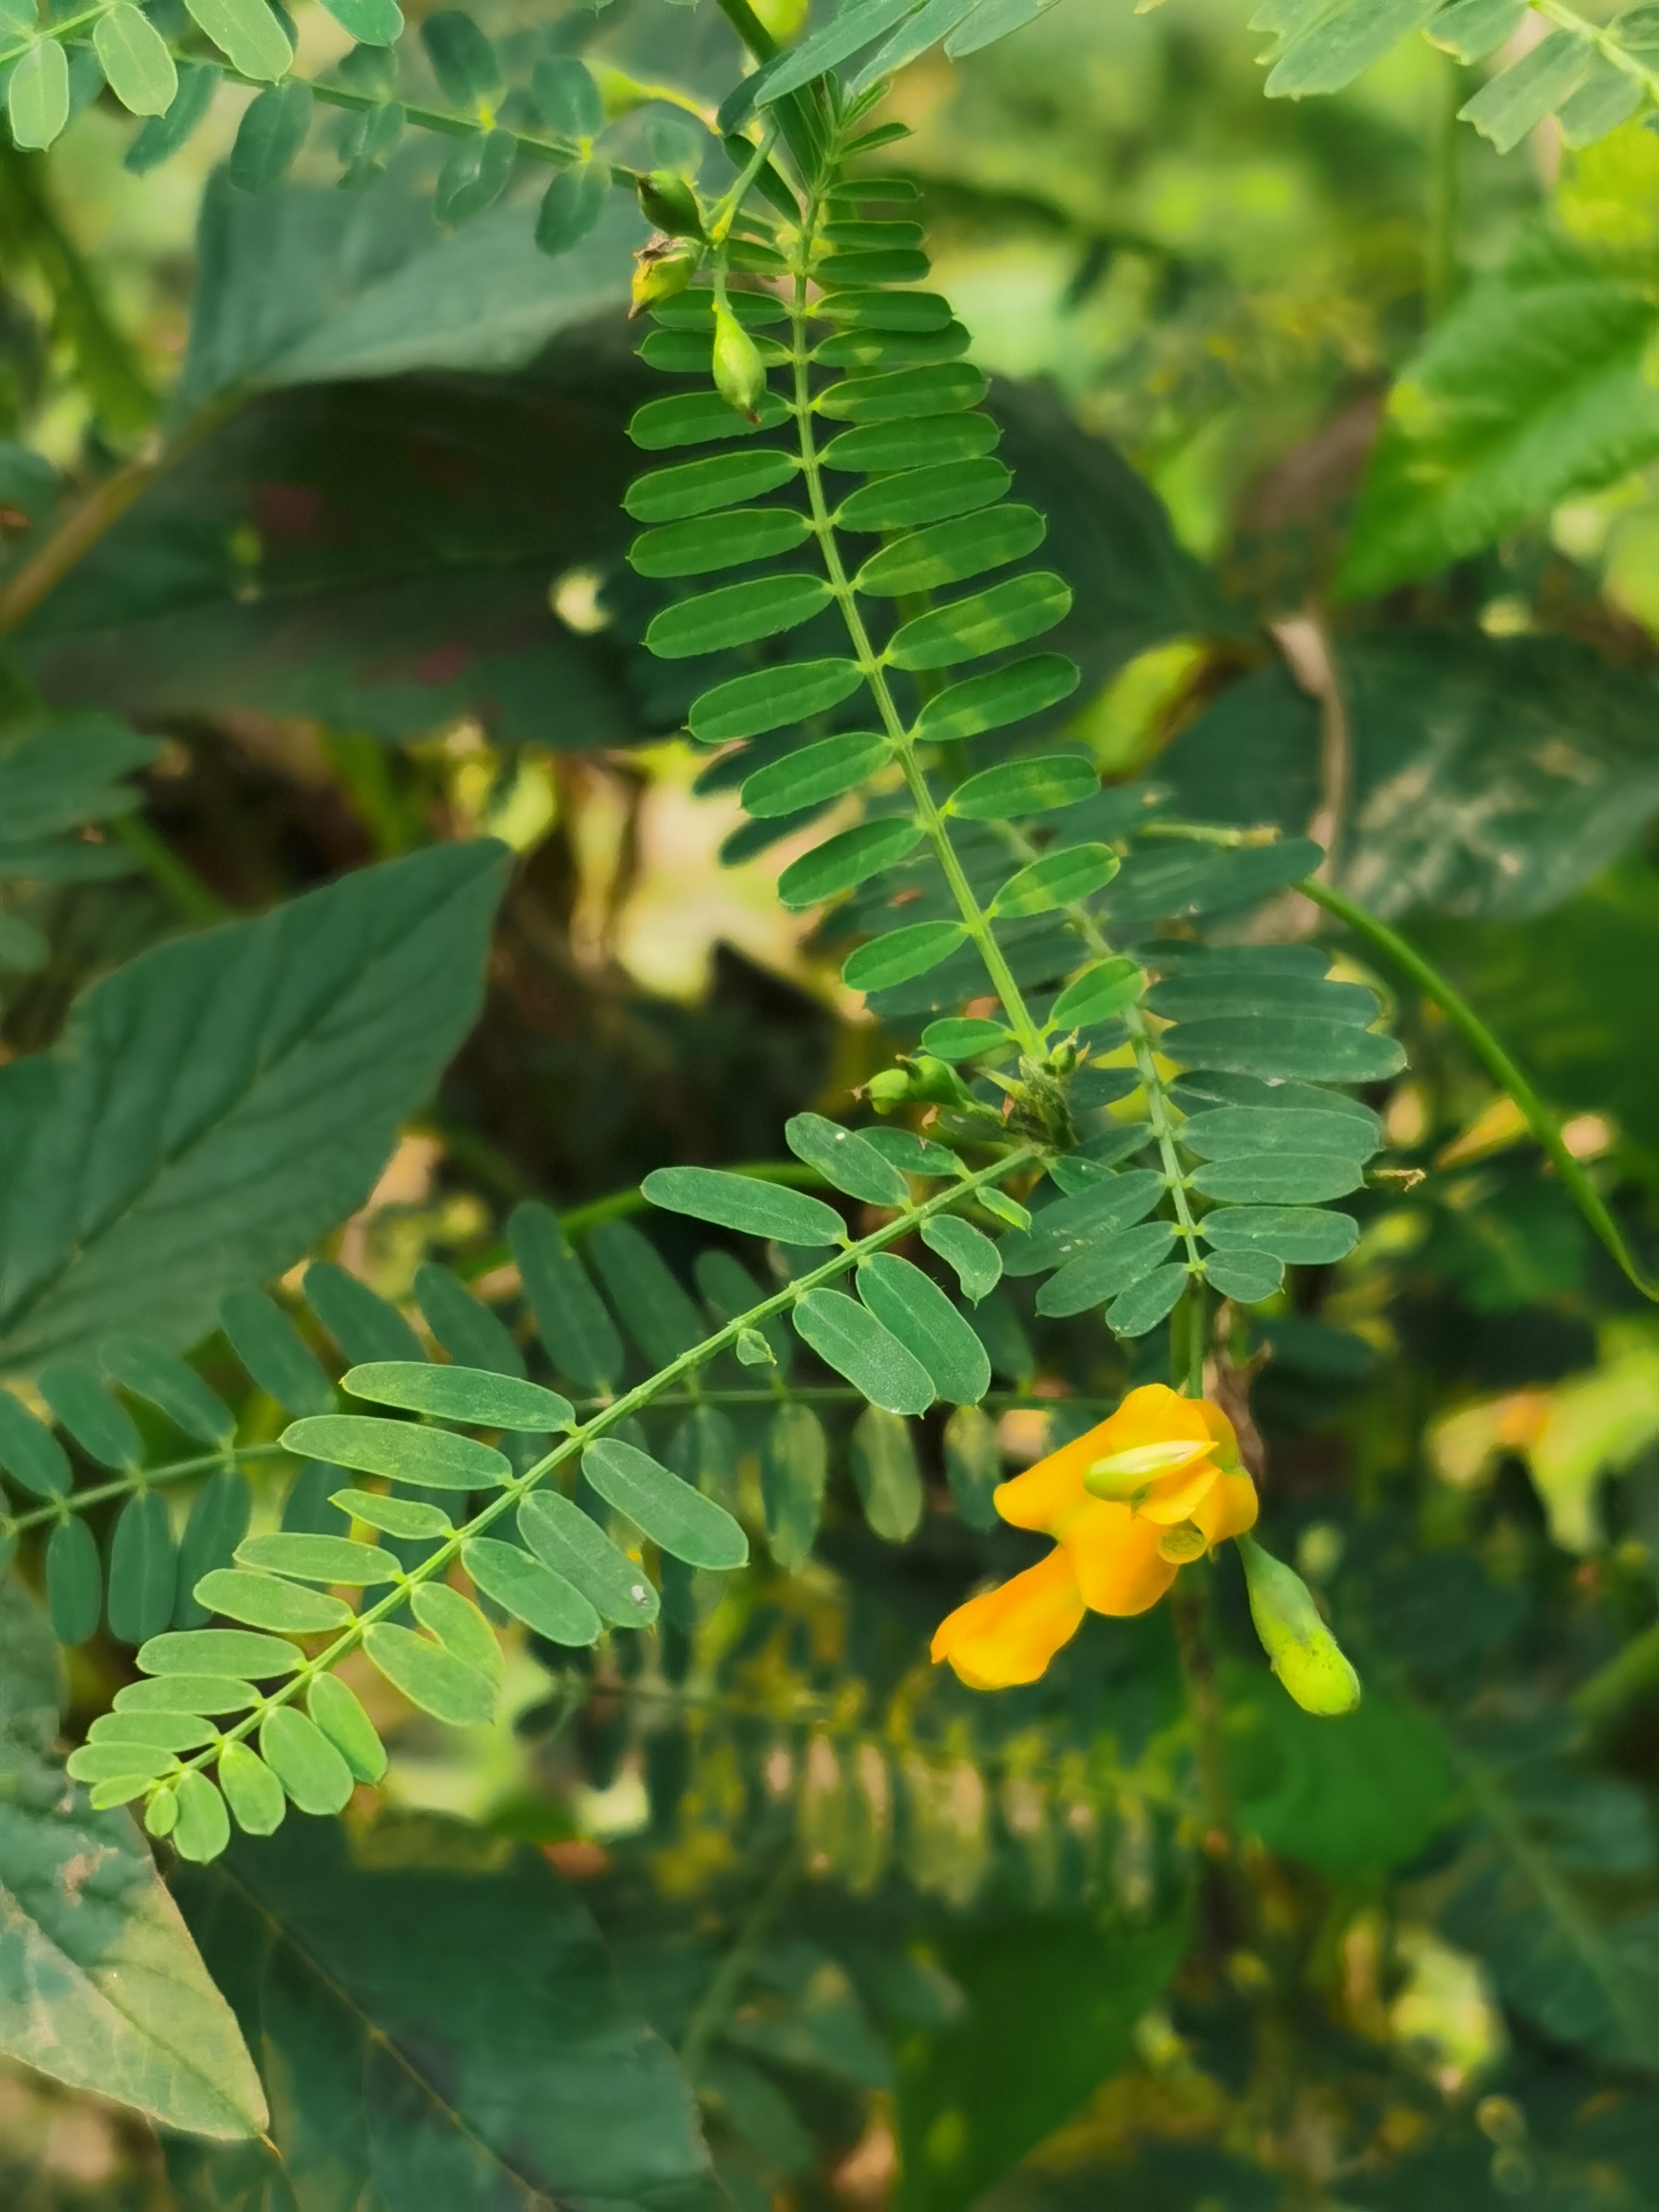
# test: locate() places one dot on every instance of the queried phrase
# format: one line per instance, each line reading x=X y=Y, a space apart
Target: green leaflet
x=579 y=1335
x=30 y=1452
x=247 y=34
x=691 y=353
x=571 y=104
x=74 y=1583
x=1244 y=1275
x=965 y=1037
x=845 y=267
x=826 y=47
x=708 y=542
x=698 y=487
x=486 y=1401
x=646 y=1292
x=432 y=1459
x=1008 y=614
x=530 y=1592
x=814 y=773
x=931 y=494
x=844 y=1160
x=1302 y=1179
x=1230 y=991
x=102 y=1427
x=1243 y=1132
x=167 y=1382
x=142 y=1570
x=699 y=418
x=924 y=441
x=233 y=1652
x=463 y=59
x=459 y=1627
x=973 y=1465
x=362 y=1324
x=251 y=1790
x=991 y=701
x=219 y=1517
x=563 y=1538
x=394 y=1517
x=844 y=861
x=905 y=394
x=1020 y=787
x=167 y=1731
x=912 y=1306
x=911 y=1154
x=1097 y=994
x=694 y=310
x=728 y=1289
x=1076 y=1224
x=107 y=1762
x=274 y=1353
x=134 y=60
x=1342 y=45
x=771 y=699
x=977 y=1263
x=1147 y=1302
x=1109 y=1267
x=794 y=1465
x=309 y=1767
x=745 y=1203
x=1518 y=98
x=892 y=351
x=949 y=552
x=1474 y=28
x=1303 y=1236
x=475 y=172
x=347 y=1726
x=371 y=23
x=1607 y=97
x=203 y=1826
x=318 y=1558
x=735 y=614
x=1277 y=1045
x=902 y=954
x=163 y=135
x=1058 y=879
x=267 y=1601
x=852 y=1341
x=467 y=1328
x=675 y=1516
x=185 y=1693
x=885 y=1473
x=430 y=1677
x=37 y=95
x=271 y=132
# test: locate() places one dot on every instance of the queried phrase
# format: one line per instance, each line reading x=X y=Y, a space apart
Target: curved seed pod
x=1304 y=1655
x=739 y=371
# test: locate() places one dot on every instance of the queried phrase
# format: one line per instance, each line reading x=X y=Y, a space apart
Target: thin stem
x=192 y=896
x=872 y=668
x=146 y=1478
x=1463 y=1018
x=438 y=1563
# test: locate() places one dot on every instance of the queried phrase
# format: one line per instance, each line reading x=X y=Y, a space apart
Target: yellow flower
x=1129 y=1505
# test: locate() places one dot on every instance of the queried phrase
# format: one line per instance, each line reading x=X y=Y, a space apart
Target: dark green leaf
x=164 y=134
x=845 y=861
x=709 y=542
x=142 y=1570
x=1008 y=614
x=371 y=22
x=1006 y=695
x=468 y=1331
x=1025 y=787
x=884 y=1469
x=430 y=1677
x=1097 y=994
x=463 y=60
x=928 y=442
x=901 y=954
x=904 y=395
x=794 y=1464
x=267 y=1601
x=1205 y=996
x=926 y=494
x=99 y=1423
x=1301 y=1235
x=532 y=1593
x=771 y=699
x=149 y=1372
x=919 y=1314
x=677 y=1518
x=1282 y=1179
x=1244 y=1275
x=476 y=171
x=579 y=1335
x=845 y=1161
x=927 y=560
x=813 y=774
x=699 y=418
x=824 y=49
x=973 y=1465
x=274 y=1353
x=365 y=1326
x=563 y=1538
x=570 y=102
x=854 y=1343
x=74 y=1582
x=977 y=1263
x=965 y=1037
x=30 y=1452
x=218 y=1651
x=1146 y=1303
x=745 y=1203
x=432 y=1459
x=698 y=487
x=1059 y=878
x=892 y=351
x=644 y=1292
x=735 y=614
x=1113 y=1264
x=1276 y=1045
x=1229 y=1133
x=318 y=1558
x=484 y=1399
x=219 y=1517
x=271 y=132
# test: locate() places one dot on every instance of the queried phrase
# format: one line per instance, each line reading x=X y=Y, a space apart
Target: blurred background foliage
x=360 y=588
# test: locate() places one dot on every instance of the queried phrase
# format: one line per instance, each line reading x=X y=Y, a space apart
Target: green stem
x=194 y=901
x=716 y=2002
x=80 y=1501
x=1441 y=257
x=439 y=1561
x=871 y=666
x=1469 y=1025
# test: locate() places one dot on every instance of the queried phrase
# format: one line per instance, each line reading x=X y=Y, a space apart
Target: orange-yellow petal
x=1224 y=1435
x=1052 y=1490
x=1177 y=1496
x=1047 y=1496
x=1230 y=1509
x=1008 y=1635
x=1114 y=1559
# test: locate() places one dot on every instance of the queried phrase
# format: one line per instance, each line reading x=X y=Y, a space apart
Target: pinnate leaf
x=745 y=1203
x=486 y=1399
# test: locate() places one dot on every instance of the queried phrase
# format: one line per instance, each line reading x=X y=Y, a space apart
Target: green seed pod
x=663 y=266
x=739 y=371
x=667 y=201
x=1303 y=1654
x=890 y=1088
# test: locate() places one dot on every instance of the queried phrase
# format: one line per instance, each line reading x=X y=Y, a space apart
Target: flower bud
x=739 y=371
x=1303 y=1654
x=667 y=201
x=890 y=1088
x=663 y=266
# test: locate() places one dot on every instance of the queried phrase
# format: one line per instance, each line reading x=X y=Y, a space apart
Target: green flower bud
x=667 y=201
x=739 y=371
x=1303 y=1654
x=890 y=1089
x=663 y=266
